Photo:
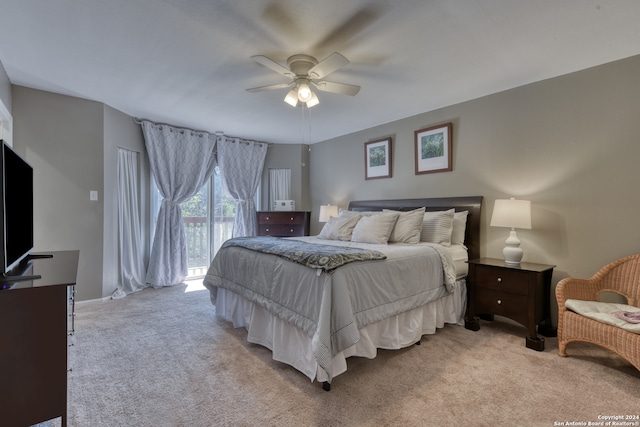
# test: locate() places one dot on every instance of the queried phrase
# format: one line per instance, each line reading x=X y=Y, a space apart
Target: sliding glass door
x=208 y=222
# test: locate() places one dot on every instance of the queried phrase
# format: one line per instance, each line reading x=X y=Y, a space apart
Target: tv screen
x=17 y=208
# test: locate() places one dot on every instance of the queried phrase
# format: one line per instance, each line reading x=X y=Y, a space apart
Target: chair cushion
x=601 y=311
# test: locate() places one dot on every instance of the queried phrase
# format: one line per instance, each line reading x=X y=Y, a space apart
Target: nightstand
x=520 y=292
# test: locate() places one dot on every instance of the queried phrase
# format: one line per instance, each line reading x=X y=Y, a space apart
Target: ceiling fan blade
x=270 y=63
x=340 y=88
x=269 y=87
x=328 y=65
x=346 y=31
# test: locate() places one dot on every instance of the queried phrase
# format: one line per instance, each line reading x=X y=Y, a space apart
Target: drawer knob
x=291 y=230
x=268 y=218
x=291 y=218
x=499 y=301
x=268 y=229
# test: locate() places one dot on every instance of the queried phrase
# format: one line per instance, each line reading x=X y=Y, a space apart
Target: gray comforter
x=332 y=307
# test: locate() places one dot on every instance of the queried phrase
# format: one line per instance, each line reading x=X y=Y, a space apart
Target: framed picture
x=377 y=159
x=433 y=149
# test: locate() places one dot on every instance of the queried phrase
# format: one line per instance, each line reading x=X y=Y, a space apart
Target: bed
x=315 y=301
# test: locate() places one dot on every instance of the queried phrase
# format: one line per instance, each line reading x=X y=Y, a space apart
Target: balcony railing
x=196 y=232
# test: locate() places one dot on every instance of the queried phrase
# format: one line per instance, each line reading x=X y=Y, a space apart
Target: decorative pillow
x=459 y=227
x=339 y=228
x=437 y=227
x=408 y=226
x=374 y=228
x=360 y=213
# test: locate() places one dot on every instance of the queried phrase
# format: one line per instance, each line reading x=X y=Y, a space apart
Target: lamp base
x=512 y=251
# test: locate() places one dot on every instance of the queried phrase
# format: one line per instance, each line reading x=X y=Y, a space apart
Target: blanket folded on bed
x=322 y=257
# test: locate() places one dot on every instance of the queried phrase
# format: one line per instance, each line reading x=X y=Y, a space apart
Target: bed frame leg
x=326 y=386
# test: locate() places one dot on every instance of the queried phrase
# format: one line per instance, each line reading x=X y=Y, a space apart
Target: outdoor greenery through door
x=208 y=219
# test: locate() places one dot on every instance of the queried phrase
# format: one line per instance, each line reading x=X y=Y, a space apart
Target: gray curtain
x=131 y=251
x=241 y=163
x=181 y=162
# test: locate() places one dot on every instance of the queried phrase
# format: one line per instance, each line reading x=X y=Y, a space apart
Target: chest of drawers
x=283 y=224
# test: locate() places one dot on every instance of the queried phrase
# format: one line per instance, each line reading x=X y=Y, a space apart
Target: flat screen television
x=16 y=215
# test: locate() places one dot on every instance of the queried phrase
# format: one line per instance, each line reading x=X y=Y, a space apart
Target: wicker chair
x=621 y=277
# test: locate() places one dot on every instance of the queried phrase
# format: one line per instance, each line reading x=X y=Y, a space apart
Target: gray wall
x=62 y=138
x=72 y=144
x=570 y=144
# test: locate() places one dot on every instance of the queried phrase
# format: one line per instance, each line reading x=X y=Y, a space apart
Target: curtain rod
x=216 y=133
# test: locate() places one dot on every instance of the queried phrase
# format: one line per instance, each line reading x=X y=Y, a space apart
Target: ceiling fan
x=305 y=71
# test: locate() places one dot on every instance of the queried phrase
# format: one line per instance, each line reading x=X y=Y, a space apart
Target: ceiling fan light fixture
x=304 y=92
x=313 y=101
x=292 y=98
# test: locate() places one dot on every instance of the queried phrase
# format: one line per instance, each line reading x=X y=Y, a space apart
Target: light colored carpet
x=162 y=358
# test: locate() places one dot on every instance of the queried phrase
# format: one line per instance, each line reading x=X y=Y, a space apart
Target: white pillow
x=408 y=226
x=339 y=228
x=459 y=227
x=437 y=227
x=374 y=228
x=360 y=213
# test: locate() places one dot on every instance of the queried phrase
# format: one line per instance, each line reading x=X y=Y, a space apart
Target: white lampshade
x=514 y=214
x=511 y=213
x=313 y=101
x=292 y=98
x=326 y=212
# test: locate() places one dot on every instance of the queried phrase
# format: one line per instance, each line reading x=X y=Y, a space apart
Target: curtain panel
x=181 y=162
x=241 y=163
x=130 y=246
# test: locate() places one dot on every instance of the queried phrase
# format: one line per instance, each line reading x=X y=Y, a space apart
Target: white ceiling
x=187 y=62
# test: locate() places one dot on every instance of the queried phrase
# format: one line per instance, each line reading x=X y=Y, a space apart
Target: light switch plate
x=93 y=195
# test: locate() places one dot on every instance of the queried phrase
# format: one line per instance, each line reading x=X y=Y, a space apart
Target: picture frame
x=377 y=159
x=433 y=149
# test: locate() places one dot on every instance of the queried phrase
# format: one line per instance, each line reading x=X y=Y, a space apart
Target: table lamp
x=326 y=212
x=514 y=214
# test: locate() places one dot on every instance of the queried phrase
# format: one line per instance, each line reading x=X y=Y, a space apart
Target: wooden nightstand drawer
x=491 y=301
x=501 y=279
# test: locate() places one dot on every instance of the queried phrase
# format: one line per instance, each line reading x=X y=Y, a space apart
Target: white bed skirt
x=290 y=345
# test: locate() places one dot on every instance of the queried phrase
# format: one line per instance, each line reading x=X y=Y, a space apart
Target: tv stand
x=34 y=317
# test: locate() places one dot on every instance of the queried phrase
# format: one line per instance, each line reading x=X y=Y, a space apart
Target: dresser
x=34 y=327
x=283 y=224
x=519 y=292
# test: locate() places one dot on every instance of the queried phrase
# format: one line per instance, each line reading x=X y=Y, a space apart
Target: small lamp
x=514 y=214
x=326 y=212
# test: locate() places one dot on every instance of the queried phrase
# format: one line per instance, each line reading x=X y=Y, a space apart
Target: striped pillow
x=437 y=227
